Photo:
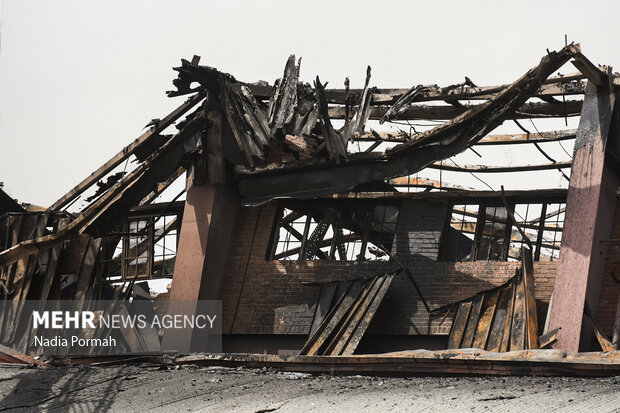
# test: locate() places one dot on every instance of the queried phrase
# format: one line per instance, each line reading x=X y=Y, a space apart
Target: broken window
x=146 y=249
x=543 y=224
x=486 y=232
x=333 y=232
x=460 y=233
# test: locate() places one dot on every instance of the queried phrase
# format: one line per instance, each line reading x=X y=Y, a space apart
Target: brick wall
x=419 y=229
x=610 y=291
x=278 y=297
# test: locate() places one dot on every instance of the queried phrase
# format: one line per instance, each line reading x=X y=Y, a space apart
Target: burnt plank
x=344 y=331
x=85 y=277
x=21 y=330
x=530 y=292
x=504 y=303
x=472 y=322
x=368 y=315
x=518 y=330
x=332 y=320
x=458 y=325
x=505 y=343
x=324 y=302
x=486 y=319
x=548 y=338
x=603 y=341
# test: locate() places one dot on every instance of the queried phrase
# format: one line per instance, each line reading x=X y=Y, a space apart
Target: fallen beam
x=444 y=362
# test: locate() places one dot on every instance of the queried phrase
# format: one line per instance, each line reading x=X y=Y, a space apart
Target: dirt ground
x=154 y=388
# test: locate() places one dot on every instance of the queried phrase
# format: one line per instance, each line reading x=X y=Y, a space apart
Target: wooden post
x=590 y=208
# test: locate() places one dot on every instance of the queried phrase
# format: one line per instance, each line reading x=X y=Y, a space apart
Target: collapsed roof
x=281 y=140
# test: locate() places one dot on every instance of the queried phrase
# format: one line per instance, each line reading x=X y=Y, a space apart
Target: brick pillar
x=590 y=208
x=206 y=235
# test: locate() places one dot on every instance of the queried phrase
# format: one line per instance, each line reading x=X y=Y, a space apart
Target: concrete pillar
x=590 y=208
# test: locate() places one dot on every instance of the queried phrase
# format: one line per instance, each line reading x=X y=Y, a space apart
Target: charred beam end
x=596 y=75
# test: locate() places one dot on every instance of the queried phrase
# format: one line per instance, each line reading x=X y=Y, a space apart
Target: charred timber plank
x=458 y=325
x=87 y=270
x=491 y=169
x=499 y=321
x=426 y=112
x=603 y=341
x=237 y=124
x=539 y=363
x=507 y=139
x=161 y=187
x=486 y=319
x=519 y=328
x=284 y=97
x=22 y=357
x=528 y=138
x=530 y=291
x=52 y=264
x=323 y=304
x=589 y=69
x=128 y=151
x=348 y=325
x=505 y=339
x=332 y=320
x=568 y=84
x=472 y=322
x=409 y=181
x=548 y=338
x=336 y=143
x=368 y=315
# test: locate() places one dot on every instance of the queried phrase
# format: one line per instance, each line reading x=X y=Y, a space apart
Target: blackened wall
x=263 y=297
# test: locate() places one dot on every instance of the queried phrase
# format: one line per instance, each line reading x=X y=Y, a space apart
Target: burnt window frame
x=152 y=214
x=339 y=205
x=538 y=245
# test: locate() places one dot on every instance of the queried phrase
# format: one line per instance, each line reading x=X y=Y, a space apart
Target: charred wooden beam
x=408 y=181
x=568 y=84
x=283 y=99
x=507 y=139
x=162 y=186
x=590 y=70
x=435 y=112
x=485 y=168
x=127 y=151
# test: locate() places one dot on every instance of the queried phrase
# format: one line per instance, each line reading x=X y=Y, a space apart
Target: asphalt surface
x=155 y=388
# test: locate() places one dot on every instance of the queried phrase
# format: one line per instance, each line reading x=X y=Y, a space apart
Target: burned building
x=318 y=234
